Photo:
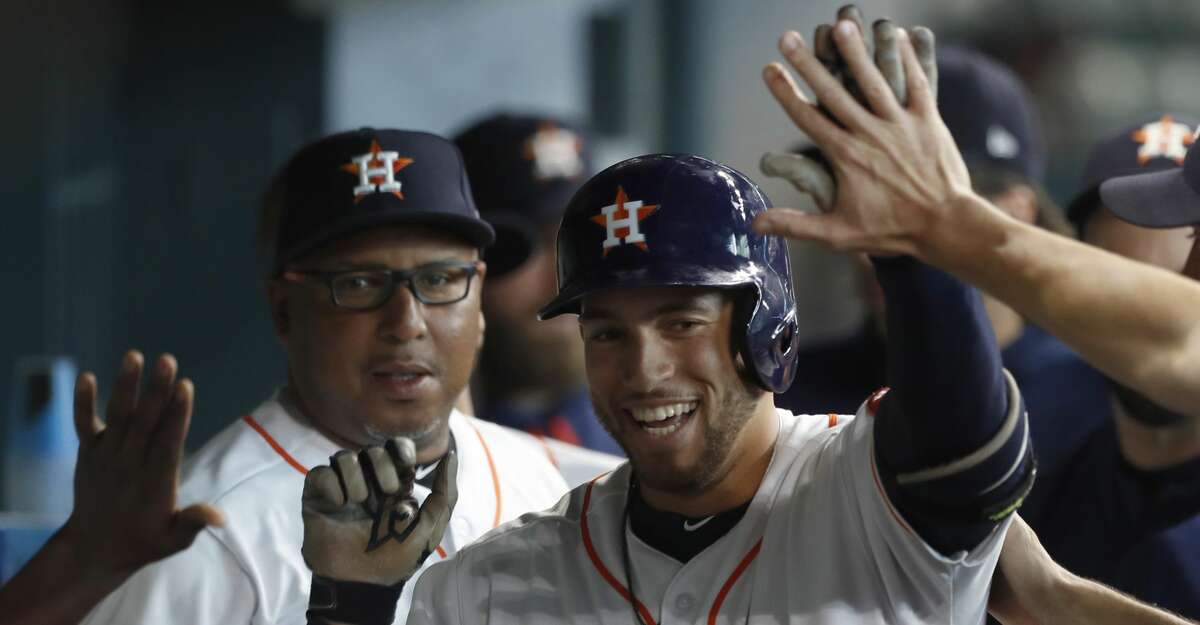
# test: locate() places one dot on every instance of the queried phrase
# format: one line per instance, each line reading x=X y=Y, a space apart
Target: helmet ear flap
x=744 y=304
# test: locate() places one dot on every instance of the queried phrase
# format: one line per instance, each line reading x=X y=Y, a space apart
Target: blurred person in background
x=523 y=170
x=1138 y=473
x=991 y=117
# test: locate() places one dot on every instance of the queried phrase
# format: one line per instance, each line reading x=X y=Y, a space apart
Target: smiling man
x=373 y=243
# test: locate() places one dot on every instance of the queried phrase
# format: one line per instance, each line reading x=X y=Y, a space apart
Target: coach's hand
x=361 y=522
x=127 y=473
x=813 y=178
x=897 y=170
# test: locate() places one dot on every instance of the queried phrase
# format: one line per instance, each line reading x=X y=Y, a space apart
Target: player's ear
x=277 y=302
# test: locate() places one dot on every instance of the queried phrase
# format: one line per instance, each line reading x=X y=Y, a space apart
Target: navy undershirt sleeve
x=950 y=456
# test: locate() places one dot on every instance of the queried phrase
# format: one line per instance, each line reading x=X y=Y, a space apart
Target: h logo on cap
x=1164 y=138
x=376 y=171
x=621 y=220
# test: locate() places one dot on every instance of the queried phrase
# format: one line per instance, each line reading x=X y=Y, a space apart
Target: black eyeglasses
x=365 y=289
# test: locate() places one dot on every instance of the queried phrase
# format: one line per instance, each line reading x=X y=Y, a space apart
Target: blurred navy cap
x=523 y=169
x=352 y=181
x=989 y=113
x=1154 y=143
x=1167 y=198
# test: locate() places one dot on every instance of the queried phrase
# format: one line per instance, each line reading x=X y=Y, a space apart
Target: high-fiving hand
x=814 y=178
x=894 y=164
x=127 y=474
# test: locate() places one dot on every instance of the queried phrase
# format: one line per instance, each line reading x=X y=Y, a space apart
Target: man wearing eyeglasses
x=373 y=243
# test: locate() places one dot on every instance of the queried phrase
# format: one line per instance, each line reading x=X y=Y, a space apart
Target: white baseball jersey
x=820 y=543
x=578 y=465
x=252 y=571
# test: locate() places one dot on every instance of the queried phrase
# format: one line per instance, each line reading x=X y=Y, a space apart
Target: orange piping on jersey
x=596 y=562
x=886 y=501
x=549 y=452
x=875 y=398
x=741 y=568
x=495 y=478
x=833 y=419
x=274 y=445
x=441 y=552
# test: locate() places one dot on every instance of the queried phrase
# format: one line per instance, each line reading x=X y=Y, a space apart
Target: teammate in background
x=1138 y=473
x=523 y=171
x=373 y=244
x=125 y=514
x=991 y=117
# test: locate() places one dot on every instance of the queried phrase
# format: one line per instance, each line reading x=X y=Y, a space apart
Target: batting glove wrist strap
x=357 y=603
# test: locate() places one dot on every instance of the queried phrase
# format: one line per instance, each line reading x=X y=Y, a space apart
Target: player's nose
x=646 y=363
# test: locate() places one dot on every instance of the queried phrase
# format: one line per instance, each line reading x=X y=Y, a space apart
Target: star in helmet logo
x=1164 y=138
x=376 y=171
x=621 y=219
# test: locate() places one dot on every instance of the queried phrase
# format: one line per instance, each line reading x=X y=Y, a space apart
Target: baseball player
x=374 y=293
x=728 y=506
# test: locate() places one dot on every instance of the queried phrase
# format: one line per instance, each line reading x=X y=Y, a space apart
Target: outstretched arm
x=950 y=439
x=1029 y=588
x=126 y=479
x=901 y=189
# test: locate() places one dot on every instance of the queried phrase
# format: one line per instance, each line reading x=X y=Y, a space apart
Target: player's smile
x=660 y=420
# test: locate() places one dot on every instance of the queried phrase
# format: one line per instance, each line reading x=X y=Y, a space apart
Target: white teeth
x=657 y=432
x=661 y=413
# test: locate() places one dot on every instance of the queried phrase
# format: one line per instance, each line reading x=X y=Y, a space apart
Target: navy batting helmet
x=678 y=220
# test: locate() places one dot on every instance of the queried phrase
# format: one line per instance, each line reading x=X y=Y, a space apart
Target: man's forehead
x=650 y=301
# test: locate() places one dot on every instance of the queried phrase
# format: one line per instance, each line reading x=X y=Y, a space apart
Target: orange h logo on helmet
x=621 y=220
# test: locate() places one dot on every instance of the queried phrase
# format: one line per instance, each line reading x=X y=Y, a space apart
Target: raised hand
x=126 y=481
x=814 y=178
x=127 y=474
x=895 y=165
x=361 y=522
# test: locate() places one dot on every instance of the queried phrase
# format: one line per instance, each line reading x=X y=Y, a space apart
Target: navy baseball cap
x=352 y=181
x=524 y=170
x=1161 y=199
x=990 y=113
x=1156 y=142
